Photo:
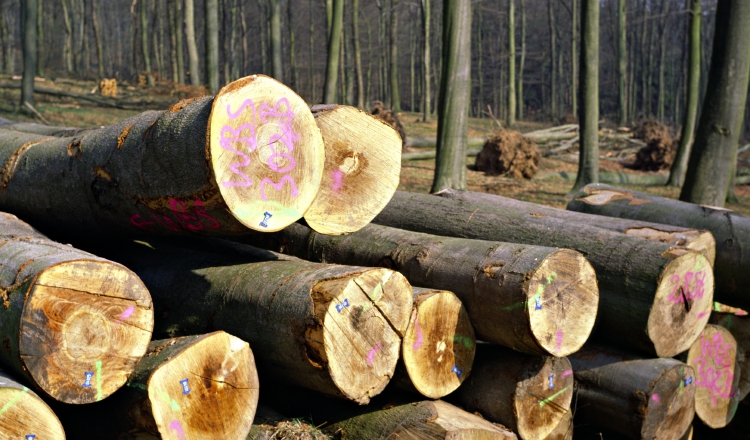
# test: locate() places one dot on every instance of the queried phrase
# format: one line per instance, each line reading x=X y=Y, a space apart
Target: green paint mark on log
x=552 y=397
x=465 y=340
x=729 y=322
x=376 y=294
x=514 y=306
x=13 y=400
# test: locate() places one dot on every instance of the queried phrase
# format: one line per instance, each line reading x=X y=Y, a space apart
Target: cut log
x=701 y=241
x=653 y=296
x=361 y=173
x=533 y=299
x=737 y=430
x=334 y=329
x=24 y=414
x=529 y=394
x=439 y=345
x=731 y=230
x=739 y=327
x=564 y=429
x=73 y=325
x=641 y=399
x=714 y=358
x=250 y=158
x=613 y=178
x=424 y=155
x=194 y=387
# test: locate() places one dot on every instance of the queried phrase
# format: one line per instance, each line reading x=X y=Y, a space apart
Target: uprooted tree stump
x=390 y=117
x=660 y=149
x=509 y=153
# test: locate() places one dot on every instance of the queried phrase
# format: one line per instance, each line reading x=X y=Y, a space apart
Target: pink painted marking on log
x=559 y=339
x=177 y=426
x=655 y=398
x=371 y=354
x=418 y=342
x=127 y=313
x=702 y=314
x=566 y=373
x=338 y=175
x=741 y=313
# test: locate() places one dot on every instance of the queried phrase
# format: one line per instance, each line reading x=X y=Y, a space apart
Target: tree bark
x=731 y=231
x=516 y=295
x=511 y=112
x=662 y=57
x=277 y=70
x=194 y=70
x=29 y=11
x=588 y=112
x=641 y=399
x=426 y=68
x=552 y=60
x=697 y=240
x=144 y=42
x=717 y=374
x=361 y=171
x=679 y=166
x=39 y=40
x=334 y=49
x=203 y=386
x=393 y=58
x=454 y=98
x=528 y=394
x=358 y=56
x=333 y=329
x=26 y=415
x=74 y=325
x=439 y=321
x=723 y=109
x=634 y=275
x=519 y=100
x=622 y=61
x=98 y=38
x=68 y=45
x=211 y=38
x=166 y=172
x=311 y=64
x=179 y=21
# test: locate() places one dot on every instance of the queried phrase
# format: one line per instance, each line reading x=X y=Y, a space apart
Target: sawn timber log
x=533 y=299
x=24 y=415
x=251 y=157
x=731 y=230
x=72 y=324
x=331 y=328
x=653 y=296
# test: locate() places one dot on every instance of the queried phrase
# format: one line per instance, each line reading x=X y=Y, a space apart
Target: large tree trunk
x=723 y=109
x=701 y=241
x=528 y=394
x=211 y=39
x=393 y=58
x=277 y=70
x=519 y=99
x=662 y=57
x=361 y=172
x=426 y=67
x=167 y=172
x=358 y=56
x=334 y=51
x=144 y=42
x=717 y=374
x=28 y=14
x=622 y=62
x=552 y=57
x=641 y=399
x=97 y=38
x=24 y=413
x=679 y=166
x=334 y=329
x=74 y=325
x=530 y=298
x=193 y=387
x=588 y=113
x=454 y=99
x=194 y=69
x=511 y=112
x=731 y=230
x=439 y=325
x=638 y=279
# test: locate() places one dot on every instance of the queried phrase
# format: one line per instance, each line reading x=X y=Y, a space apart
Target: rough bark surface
x=72 y=324
x=533 y=299
x=334 y=329
x=529 y=394
x=701 y=241
x=206 y=166
x=24 y=414
x=638 y=279
x=731 y=230
x=193 y=387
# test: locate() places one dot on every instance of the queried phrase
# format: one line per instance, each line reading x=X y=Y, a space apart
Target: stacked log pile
x=188 y=224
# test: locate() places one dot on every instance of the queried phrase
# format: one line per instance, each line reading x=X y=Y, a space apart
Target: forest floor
x=415 y=175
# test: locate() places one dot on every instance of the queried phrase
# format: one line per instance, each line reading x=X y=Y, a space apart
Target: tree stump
x=74 y=325
x=24 y=415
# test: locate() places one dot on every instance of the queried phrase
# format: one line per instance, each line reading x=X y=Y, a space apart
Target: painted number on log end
x=717 y=351
x=457 y=370
x=185 y=387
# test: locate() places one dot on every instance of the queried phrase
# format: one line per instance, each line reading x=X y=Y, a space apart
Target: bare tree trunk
x=553 y=60
x=358 y=55
x=511 y=116
x=662 y=60
x=5 y=68
x=158 y=39
x=480 y=69
x=178 y=42
x=172 y=39
x=622 y=61
x=212 y=44
x=98 y=38
x=68 y=47
x=277 y=69
x=193 y=63
x=144 y=43
x=292 y=56
x=334 y=50
x=311 y=64
x=519 y=100
x=28 y=18
x=426 y=28
x=393 y=62
x=39 y=39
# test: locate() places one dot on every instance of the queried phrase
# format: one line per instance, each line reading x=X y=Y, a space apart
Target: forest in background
x=91 y=39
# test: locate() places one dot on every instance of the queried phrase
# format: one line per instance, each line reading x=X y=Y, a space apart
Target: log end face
x=266 y=152
x=361 y=173
x=84 y=328
x=543 y=397
x=671 y=404
x=209 y=390
x=682 y=303
x=563 y=298
x=439 y=345
x=24 y=414
x=713 y=356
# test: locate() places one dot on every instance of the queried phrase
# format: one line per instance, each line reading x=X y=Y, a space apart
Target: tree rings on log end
x=563 y=298
x=84 y=327
x=439 y=345
x=682 y=304
x=543 y=397
x=363 y=319
x=669 y=409
x=564 y=429
x=701 y=241
x=361 y=173
x=713 y=356
x=24 y=414
x=266 y=152
x=207 y=391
